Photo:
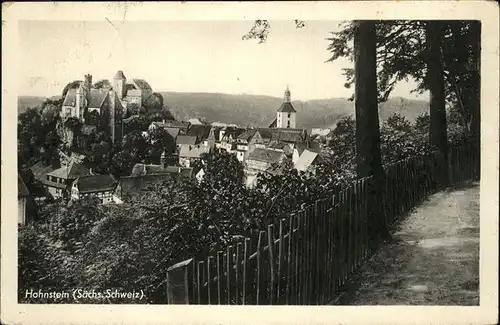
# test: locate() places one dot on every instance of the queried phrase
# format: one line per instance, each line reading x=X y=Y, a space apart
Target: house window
x=289 y=115
x=288 y=124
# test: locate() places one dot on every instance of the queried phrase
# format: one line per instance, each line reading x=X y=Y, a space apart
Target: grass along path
x=433 y=258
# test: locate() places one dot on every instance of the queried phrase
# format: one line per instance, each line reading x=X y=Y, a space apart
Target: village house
x=199 y=139
x=228 y=137
x=100 y=186
x=58 y=182
x=261 y=160
x=144 y=175
x=246 y=142
x=188 y=155
x=167 y=166
x=174 y=128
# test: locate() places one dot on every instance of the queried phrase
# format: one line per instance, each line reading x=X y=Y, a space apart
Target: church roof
x=119 y=75
x=96 y=98
x=70 y=98
x=287 y=107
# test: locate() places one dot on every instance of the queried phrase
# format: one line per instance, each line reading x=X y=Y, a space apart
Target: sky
x=185 y=56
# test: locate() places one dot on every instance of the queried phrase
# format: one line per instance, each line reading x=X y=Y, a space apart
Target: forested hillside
x=255 y=110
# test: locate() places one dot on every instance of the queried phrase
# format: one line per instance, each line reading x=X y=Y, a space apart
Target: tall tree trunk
x=368 y=157
x=475 y=89
x=435 y=78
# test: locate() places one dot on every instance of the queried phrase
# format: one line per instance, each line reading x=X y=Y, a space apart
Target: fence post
x=179 y=286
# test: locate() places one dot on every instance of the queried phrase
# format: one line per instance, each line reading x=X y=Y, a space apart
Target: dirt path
x=433 y=259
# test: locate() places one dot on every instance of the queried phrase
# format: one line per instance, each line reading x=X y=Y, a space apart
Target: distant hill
x=256 y=110
x=25 y=102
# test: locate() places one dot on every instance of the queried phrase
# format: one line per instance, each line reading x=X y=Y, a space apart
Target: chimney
x=88 y=81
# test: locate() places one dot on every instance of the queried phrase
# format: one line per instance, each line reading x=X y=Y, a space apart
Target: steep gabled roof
x=73 y=171
x=200 y=131
x=247 y=135
x=274 y=123
x=233 y=131
x=266 y=155
x=70 y=99
x=291 y=136
x=96 y=98
x=305 y=160
x=96 y=183
x=287 y=107
x=39 y=170
x=193 y=151
x=186 y=139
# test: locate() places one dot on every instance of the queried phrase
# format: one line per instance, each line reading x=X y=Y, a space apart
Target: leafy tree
x=399 y=123
x=140 y=123
x=72 y=85
x=133 y=109
x=154 y=103
x=422 y=123
x=71 y=224
x=401 y=140
x=122 y=163
x=162 y=115
x=159 y=141
x=136 y=144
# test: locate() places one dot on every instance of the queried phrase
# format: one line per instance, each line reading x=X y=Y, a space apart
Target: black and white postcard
x=285 y=162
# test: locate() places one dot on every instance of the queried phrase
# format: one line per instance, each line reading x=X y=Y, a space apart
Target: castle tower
x=286 y=114
x=119 y=84
x=88 y=81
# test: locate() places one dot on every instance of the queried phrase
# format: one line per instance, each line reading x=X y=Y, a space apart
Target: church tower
x=119 y=84
x=286 y=114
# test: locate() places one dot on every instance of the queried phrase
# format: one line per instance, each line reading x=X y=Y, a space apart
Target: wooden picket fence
x=308 y=258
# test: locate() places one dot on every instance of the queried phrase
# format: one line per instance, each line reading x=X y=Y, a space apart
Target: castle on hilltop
x=109 y=101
